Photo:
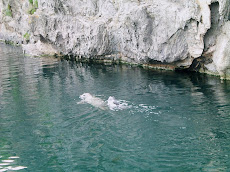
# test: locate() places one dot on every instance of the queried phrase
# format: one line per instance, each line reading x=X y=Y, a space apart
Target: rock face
x=184 y=34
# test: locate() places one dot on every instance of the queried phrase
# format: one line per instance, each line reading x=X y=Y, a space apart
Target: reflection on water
x=10 y=164
x=176 y=122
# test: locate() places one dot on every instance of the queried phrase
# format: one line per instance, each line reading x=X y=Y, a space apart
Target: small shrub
x=31 y=2
x=34 y=7
x=8 y=11
x=9 y=42
x=26 y=36
x=36 y=4
x=32 y=11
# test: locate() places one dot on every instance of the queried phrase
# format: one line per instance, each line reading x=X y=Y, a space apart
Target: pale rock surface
x=221 y=57
x=172 y=32
x=40 y=49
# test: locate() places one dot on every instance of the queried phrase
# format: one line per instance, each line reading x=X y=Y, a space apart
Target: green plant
x=31 y=2
x=34 y=6
x=32 y=11
x=9 y=42
x=26 y=36
x=8 y=11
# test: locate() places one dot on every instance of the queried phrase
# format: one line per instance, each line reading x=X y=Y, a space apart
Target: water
x=175 y=122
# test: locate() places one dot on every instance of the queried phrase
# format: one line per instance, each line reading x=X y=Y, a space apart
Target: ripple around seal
x=176 y=122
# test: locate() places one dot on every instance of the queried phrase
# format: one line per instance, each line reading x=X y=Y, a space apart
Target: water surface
x=176 y=122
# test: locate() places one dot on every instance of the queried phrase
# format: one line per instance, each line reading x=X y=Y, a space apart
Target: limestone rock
x=221 y=57
x=40 y=49
x=139 y=31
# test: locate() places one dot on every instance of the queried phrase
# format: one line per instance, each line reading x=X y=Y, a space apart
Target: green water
x=176 y=122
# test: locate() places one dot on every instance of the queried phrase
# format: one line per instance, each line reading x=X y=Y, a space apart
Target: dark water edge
x=178 y=121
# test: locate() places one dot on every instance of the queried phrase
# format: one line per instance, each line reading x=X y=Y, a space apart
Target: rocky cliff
x=175 y=34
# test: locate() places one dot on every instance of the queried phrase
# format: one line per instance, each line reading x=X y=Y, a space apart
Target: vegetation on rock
x=31 y=2
x=34 y=7
x=26 y=36
x=8 y=11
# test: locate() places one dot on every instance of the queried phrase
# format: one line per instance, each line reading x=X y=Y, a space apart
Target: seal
x=111 y=103
x=92 y=100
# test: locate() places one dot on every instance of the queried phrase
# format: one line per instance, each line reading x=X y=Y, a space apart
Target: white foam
x=116 y=105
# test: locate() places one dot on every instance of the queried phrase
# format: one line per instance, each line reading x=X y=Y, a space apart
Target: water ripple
x=175 y=121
